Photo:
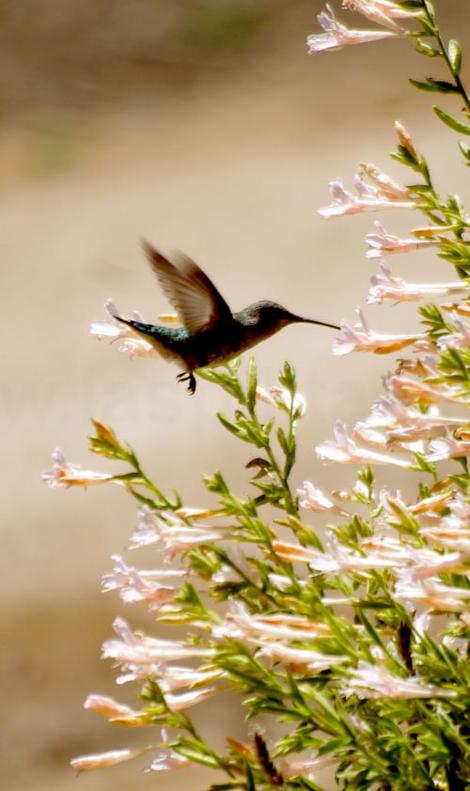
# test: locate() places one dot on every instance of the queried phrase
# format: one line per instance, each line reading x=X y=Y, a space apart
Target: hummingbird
x=211 y=334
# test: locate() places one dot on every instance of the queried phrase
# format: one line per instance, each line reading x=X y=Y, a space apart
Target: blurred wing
x=189 y=290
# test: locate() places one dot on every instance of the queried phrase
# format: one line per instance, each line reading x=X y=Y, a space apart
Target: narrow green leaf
x=454 y=52
x=230 y=426
x=250 y=780
x=252 y=384
x=449 y=120
x=465 y=151
x=427 y=49
x=436 y=86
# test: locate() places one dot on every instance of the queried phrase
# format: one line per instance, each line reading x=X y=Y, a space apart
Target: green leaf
x=465 y=151
x=250 y=780
x=231 y=426
x=454 y=52
x=427 y=49
x=449 y=120
x=438 y=86
x=252 y=384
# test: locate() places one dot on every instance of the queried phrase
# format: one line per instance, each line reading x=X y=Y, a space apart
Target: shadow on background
x=202 y=126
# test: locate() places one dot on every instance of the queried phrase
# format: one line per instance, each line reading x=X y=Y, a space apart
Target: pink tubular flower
x=459 y=339
x=343 y=449
x=337 y=35
x=280 y=397
x=431 y=592
x=299 y=660
x=383 y=12
x=374 y=681
x=387 y=286
x=85 y=763
x=140 y=586
x=338 y=558
x=421 y=562
x=103 y=704
x=175 y=677
x=412 y=391
x=448 y=448
x=63 y=474
x=397 y=424
x=314 y=499
x=383 y=243
x=166 y=760
x=184 y=700
x=142 y=655
x=129 y=341
x=171 y=533
x=453 y=531
x=378 y=192
x=358 y=338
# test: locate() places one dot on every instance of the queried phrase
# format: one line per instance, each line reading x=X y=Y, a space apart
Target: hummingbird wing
x=190 y=291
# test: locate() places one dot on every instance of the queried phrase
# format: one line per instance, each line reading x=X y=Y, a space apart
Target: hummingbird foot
x=188 y=376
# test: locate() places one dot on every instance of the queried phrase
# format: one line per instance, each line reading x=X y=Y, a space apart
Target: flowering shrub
x=356 y=637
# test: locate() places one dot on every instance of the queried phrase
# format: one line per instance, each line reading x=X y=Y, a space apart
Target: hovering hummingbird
x=211 y=334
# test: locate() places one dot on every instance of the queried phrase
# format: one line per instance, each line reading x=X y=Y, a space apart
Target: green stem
x=437 y=35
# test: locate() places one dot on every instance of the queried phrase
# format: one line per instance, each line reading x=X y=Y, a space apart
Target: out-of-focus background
x=201 y=125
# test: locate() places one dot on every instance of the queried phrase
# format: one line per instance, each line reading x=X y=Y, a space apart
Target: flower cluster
x=345 y=614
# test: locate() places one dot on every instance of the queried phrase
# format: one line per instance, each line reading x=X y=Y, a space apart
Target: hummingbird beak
x=316 y=321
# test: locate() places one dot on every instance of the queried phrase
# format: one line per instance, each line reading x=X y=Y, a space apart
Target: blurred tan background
x=197 y=125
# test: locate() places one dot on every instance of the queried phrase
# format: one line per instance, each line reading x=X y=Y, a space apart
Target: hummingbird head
x=269 y=317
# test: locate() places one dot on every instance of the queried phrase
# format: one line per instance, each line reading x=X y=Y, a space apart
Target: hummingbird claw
x=188 y=376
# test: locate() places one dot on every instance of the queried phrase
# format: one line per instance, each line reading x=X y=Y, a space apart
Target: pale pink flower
x=388 y=286
x=136 y=651
x=140 y=586
x=383 y=12
x=175 y=677
x=422 y=562
x=370 y=435
x=102 y=704
x=453 y=531
x=63 y=474
x=404 y=424
x=403 y=135
x=384 y=243
x=314 y=499
x=281 y=626
x=448 y=448
x=184 y=700
x=129 y=341
x=377 y=193
x=431 y=592
x=171 y=533
x=411 y=391
x=395 y=506
x=304 y=660
x=264 y=395
x=344 y=449
x=337 y=35
x=459 y=339
x=358 y=338
x=374 y=681
x=166 y=760
x=85 y=763
x=280 y=397
x=336 y=559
